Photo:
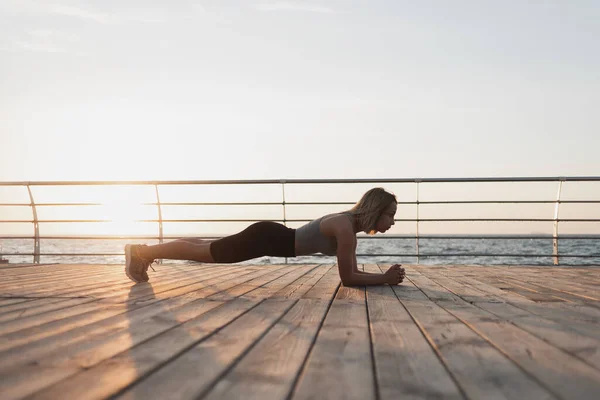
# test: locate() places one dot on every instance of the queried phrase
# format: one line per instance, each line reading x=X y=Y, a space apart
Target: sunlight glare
x=123 y=210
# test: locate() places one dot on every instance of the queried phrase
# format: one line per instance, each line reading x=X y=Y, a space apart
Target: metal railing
x=418 y=203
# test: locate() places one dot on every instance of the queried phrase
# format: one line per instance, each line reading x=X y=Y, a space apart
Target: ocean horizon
x=464 y=249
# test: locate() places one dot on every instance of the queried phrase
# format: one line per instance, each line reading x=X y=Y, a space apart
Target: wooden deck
x=292 y=332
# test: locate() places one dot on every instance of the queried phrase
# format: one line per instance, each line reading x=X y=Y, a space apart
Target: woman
x=332 y=234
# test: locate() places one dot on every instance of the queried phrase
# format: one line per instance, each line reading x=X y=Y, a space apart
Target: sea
x=457 y=251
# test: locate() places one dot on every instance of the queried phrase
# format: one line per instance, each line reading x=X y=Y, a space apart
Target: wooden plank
x=55 y=274
x=4 y=302
x=67 y=286
x=301 y=286
x=175 y=275
x=342 y=353
x=580 y=314
x=575 y=311
x=279 y=277
x=526 y=290
x=176 y=278
x=65 y=362
x=270 y=368
x=325 y=287
x=541 y=281
x=113 y=319
x=44 y=305
x=19 y=265
x=406 y=365
x=560 y=287
x=268 y=290
x=9 y=305
x=45 y=279
x=41 y=306
x=191 y=288
x=195 y=370
x=26 y=335
x=559 y=334
x=475 y=364
x=109 y=319
x=30 y=378
x=11 y=275
x=563 y=374
x=138 y=293
x=560 y=278
x=580 y=319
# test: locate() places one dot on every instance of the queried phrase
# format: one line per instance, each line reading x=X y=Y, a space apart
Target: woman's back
x=310 y=239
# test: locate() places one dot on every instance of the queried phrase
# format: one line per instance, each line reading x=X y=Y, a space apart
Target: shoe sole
x=128 y=262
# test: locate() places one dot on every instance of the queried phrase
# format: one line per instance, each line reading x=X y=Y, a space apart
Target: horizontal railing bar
x=400 y=237
x=305 y=181
x=307 y=220
x=54 y=204
x=310 y=203
x=562 y=264
x=479 y=255
x=589 y=237
x=119 y=237
x=502 y=202
x=149 y=204
x=499 y=220
x=524 y=237
x=358 y=255
x=468 y=255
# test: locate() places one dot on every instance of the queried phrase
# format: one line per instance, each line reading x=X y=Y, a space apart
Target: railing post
x=160 y=223
x=36 y=227
x=283 y=205
x=417 y=239
x=555 y=252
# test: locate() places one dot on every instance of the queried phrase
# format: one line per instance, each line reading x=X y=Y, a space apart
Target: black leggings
x=260 y=239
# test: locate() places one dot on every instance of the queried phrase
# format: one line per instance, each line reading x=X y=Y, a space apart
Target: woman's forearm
x=366 y=273
x=365 y=278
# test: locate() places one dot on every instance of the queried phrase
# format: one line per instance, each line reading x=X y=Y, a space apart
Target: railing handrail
x=284 y=203
x=362 y=236
x=306 y=181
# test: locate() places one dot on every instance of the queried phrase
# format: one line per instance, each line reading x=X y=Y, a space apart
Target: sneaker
x=135 y=266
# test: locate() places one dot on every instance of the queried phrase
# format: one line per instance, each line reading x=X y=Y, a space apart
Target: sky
x=230 y=89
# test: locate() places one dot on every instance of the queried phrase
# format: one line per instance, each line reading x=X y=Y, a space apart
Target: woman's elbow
x=348 y=281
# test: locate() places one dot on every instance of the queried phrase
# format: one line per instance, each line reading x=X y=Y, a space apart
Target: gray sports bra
x=310 y=240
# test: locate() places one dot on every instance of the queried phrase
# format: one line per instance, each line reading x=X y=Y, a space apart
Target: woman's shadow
x=159 y=328
x=169 y=328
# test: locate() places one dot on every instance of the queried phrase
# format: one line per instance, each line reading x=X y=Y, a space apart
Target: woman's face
x=386 y=220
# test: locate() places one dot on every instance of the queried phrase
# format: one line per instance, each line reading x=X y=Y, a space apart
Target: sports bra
x=310 y=239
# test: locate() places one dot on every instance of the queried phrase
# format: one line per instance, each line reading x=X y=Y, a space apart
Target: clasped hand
x=395 y=274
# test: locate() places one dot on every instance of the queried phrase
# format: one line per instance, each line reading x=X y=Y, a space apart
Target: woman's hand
x=395 y=274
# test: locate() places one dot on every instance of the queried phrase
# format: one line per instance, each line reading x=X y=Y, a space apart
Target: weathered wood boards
x=294 y=332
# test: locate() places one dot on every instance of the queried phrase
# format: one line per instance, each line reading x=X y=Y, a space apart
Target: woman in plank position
x=332 y=234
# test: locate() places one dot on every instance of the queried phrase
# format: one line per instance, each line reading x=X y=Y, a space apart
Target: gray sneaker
x=135 y=266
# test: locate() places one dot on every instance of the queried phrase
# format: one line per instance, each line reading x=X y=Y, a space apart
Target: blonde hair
x=370 y=207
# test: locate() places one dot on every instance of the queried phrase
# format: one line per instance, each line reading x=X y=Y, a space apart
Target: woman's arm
x=341 y=228
x=395 y=274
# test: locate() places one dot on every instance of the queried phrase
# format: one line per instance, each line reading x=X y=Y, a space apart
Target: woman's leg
x=259 y=239
x=182 y=249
